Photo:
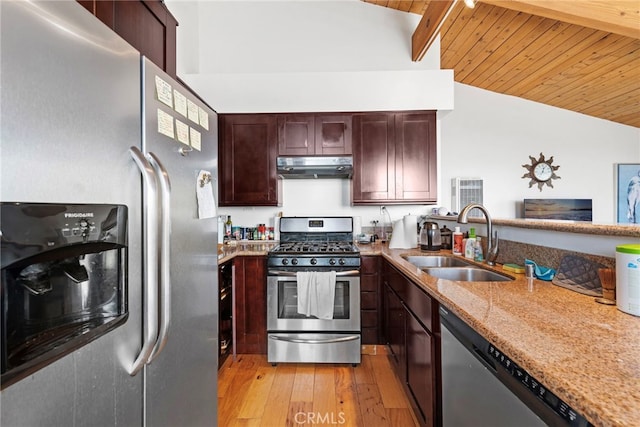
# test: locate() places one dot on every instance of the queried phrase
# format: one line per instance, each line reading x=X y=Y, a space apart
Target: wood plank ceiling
x=550 y=61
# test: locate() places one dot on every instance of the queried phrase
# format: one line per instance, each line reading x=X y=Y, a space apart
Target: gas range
x=315 y=264
x=315 y=243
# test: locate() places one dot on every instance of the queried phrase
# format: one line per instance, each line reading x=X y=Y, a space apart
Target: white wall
x=288 y=56
x=487 y=135
x=490 y=136
x=291 y=36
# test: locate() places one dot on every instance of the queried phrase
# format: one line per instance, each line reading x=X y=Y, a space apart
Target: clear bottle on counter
x=228 y=227
x=478 y=254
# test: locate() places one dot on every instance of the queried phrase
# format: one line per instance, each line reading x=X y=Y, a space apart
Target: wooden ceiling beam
x=429 y=26
x=620 y=17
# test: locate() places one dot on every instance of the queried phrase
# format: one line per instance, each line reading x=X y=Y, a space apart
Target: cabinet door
x=247 y=167
x=420 y=369
x=296 y=135
x=373 y=158
x=225 y=312
x=416 y=177
x=394 y=156
x=395 y=315
x=333 y=134
x=250 y=288
x=146 y=24
x=370 y=301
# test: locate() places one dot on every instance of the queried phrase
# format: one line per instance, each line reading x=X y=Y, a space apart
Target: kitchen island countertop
x=586 y=353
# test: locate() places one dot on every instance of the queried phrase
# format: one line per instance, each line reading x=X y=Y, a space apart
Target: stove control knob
x=332 y=261
x=285 y=261
x=342 y=261
x=314 y=261
x=294 y=261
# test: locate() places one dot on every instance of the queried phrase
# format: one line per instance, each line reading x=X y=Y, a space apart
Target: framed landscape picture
x=559 y=209
x=628 y=193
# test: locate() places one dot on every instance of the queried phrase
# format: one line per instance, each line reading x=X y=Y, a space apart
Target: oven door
x=282 y=305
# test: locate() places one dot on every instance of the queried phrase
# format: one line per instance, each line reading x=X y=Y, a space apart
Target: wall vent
x=465 y=191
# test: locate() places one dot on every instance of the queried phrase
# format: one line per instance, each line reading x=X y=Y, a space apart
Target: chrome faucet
x=492 y=240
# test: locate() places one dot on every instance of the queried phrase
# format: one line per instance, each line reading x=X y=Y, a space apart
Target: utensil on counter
x=608 y=281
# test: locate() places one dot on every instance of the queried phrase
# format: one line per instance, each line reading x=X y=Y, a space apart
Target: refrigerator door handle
x=150 y=261
x=165 y=254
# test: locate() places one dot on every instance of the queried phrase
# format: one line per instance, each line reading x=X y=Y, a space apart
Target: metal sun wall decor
x=541 y=171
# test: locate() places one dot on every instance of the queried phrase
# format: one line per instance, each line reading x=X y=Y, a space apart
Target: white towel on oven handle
x=316 y=293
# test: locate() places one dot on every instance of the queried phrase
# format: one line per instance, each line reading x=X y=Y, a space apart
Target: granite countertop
x=244 y=248
x=588 y=354
x=581 y=227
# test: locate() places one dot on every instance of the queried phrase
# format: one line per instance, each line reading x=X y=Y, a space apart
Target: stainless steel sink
x=435 y=261
x=466 y=274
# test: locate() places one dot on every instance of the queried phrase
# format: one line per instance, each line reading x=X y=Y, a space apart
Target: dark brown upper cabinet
x=147 y=25
x=314 y=134
x=394 y=156
x=247 y=160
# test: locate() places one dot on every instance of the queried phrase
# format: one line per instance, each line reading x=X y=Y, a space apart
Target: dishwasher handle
x=482 y=357
x=468 y=337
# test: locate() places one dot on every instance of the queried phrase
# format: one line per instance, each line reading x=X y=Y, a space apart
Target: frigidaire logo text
x=79 y=215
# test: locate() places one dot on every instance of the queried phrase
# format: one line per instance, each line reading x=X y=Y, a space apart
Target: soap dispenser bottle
x=458 y=249
x=469 y=249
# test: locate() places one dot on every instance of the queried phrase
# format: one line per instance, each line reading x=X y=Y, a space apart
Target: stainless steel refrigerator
x=86 y=120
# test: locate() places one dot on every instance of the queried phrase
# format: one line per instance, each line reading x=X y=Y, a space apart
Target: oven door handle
x=312 y=341
x=293 y=273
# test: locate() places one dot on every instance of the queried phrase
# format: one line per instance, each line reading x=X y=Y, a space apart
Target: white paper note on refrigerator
x=204 y=194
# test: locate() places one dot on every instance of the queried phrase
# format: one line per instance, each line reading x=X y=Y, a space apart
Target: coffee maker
x=430 y=236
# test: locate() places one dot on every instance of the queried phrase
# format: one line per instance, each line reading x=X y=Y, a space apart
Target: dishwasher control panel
x=536 y=388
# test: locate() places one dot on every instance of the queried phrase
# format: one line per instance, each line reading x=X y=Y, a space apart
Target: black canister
x=446 y=237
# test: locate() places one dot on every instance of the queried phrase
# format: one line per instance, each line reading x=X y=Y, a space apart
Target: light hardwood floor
x=252 y=392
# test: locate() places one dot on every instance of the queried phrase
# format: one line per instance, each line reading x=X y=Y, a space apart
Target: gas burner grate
x=314 y=247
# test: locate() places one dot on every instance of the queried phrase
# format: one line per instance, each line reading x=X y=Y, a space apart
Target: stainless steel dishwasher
x=482 y=387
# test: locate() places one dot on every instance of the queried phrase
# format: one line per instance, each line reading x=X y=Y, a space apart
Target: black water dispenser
x=64 y=280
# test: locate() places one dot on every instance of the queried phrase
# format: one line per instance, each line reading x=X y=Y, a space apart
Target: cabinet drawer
x=368 y=300
x=421 y=305
x=369 y=264
x=369 y=282
x=368 y=319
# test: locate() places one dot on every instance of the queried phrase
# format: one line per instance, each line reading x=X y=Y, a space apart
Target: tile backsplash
x=517 y=252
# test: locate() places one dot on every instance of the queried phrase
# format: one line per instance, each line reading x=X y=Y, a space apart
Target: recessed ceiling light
x=470 y=3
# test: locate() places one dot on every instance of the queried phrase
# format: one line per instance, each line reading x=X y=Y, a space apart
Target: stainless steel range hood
x=315 y=167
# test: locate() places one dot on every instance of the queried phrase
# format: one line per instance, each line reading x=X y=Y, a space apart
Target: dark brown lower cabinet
x=370 y=301
x=395 y=319
x=225 y=312
x=412 y=334
x=421 y=369
x=250 y=288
